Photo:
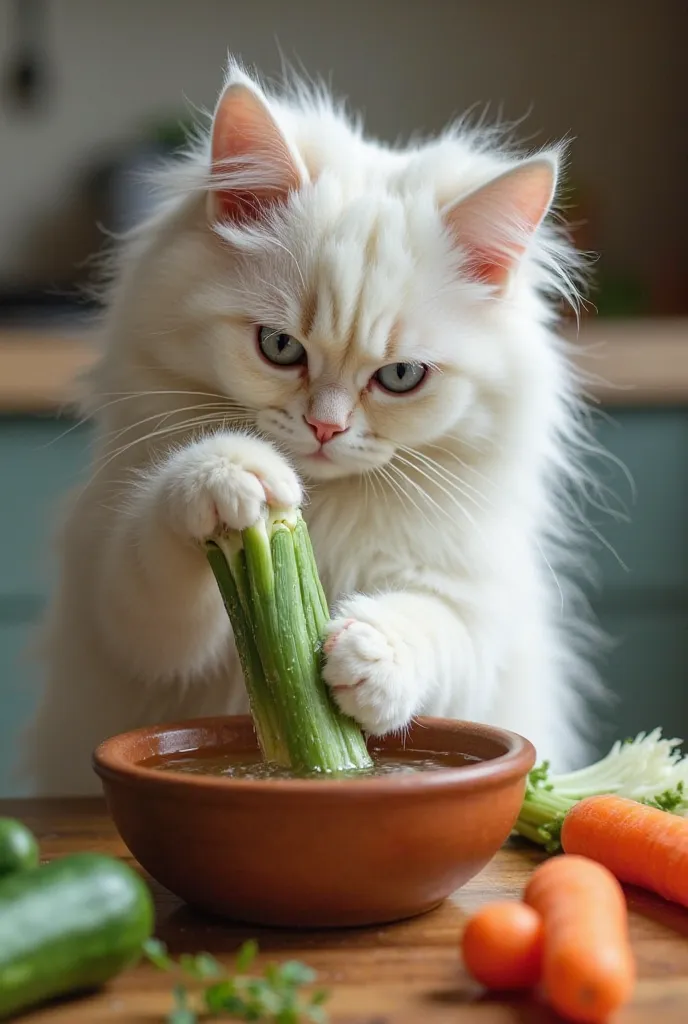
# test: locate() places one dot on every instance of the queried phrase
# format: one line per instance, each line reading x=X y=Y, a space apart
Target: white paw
x=368 y=666
x=223 y=482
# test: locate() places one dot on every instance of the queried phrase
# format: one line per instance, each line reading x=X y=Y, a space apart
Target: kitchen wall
x=609 y=74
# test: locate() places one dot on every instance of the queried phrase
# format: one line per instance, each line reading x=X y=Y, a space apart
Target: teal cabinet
x=40 y=460
x=18 y=694
x=641 y=598
x=644 y=477
x=646 y=670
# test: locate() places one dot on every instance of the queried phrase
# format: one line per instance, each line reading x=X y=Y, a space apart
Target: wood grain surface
x=409 y=973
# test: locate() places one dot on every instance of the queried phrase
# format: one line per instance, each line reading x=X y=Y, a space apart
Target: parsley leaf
x=156 y=952
x=181 y=1013
x=275 y=996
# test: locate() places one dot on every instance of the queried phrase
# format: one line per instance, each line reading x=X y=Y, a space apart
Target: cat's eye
x=399 y=378
x=280 y=348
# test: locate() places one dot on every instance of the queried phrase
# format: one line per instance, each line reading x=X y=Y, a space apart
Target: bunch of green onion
x=272 y=592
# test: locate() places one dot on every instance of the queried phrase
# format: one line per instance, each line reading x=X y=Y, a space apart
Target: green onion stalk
x=648 y=769
x=270 y=586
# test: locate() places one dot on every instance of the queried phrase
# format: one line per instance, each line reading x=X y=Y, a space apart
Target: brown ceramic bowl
x=315 y=853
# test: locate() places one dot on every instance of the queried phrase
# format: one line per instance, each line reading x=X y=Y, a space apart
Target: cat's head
x=362 y=301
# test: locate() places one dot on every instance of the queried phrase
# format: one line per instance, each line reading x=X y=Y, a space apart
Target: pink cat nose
x=324 y=431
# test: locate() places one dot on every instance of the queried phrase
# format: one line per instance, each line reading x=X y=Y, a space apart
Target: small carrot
x=502 y=946
x=588 y=969
x=639 y=844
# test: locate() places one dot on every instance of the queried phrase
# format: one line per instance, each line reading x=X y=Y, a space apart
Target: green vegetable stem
x=270 y=587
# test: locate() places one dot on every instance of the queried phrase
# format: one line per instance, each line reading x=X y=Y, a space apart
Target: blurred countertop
x=625 y=362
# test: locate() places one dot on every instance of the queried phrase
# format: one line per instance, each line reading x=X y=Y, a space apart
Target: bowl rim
x=111 y=763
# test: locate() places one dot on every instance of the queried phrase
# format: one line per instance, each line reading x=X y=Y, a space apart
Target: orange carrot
x=639 y=844
x=588 y=970
x=502 y=946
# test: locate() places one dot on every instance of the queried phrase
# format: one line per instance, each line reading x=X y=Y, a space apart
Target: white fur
x=436 y=519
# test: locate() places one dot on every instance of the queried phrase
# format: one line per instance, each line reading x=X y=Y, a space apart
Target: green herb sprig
x=275 y=996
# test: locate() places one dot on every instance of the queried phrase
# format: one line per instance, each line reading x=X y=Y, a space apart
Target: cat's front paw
x=223 y=482
x=368 y=666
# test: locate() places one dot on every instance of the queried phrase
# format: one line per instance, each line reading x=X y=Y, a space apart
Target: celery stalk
x=272 y=593
x=313 y=593
x=264 y=717
x=317 y=613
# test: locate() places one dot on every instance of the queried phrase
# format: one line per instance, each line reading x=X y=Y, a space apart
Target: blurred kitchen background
x=92 y=92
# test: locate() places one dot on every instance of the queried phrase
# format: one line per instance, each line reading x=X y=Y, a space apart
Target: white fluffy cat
x=312 y=314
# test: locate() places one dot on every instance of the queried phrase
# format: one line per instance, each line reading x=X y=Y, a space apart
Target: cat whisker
x=366 y=494
x=466 y=443
x=383 y=479
x=440 y=508
x=452 y=497
x=434 y=506
x=163 y=417
x=395 y=469
x=371 y=474
x=444 y=474
x=464 y=465
x=126 y=396
x=396 y=488
x=167 y=432
x=187 y=424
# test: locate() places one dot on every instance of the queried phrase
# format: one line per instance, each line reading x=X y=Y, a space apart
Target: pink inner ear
x=494 y=223
x=248 y=145
x=491 y=266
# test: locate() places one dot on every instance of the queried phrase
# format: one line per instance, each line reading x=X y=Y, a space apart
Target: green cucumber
x=69 y=926
x=18 y=847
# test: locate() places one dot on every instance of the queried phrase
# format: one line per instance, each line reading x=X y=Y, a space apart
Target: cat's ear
x=253 y=165
x=494 y=224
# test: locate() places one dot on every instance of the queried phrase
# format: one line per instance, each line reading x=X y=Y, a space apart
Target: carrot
x=502 y=946
x=588 y=970
x=639 y=844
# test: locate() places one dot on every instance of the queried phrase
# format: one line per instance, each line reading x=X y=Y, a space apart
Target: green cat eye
x=280 y=348
x=399 y=378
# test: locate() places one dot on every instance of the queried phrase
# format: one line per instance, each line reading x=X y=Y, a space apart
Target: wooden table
x=407 y=973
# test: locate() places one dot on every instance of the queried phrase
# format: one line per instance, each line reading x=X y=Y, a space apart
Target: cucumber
x=18 y=847
x=69 y=926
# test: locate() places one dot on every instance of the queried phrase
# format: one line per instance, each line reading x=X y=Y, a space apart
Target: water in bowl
x=247 y=764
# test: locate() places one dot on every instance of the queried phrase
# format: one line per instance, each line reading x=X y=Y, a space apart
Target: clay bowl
x=308 y=852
